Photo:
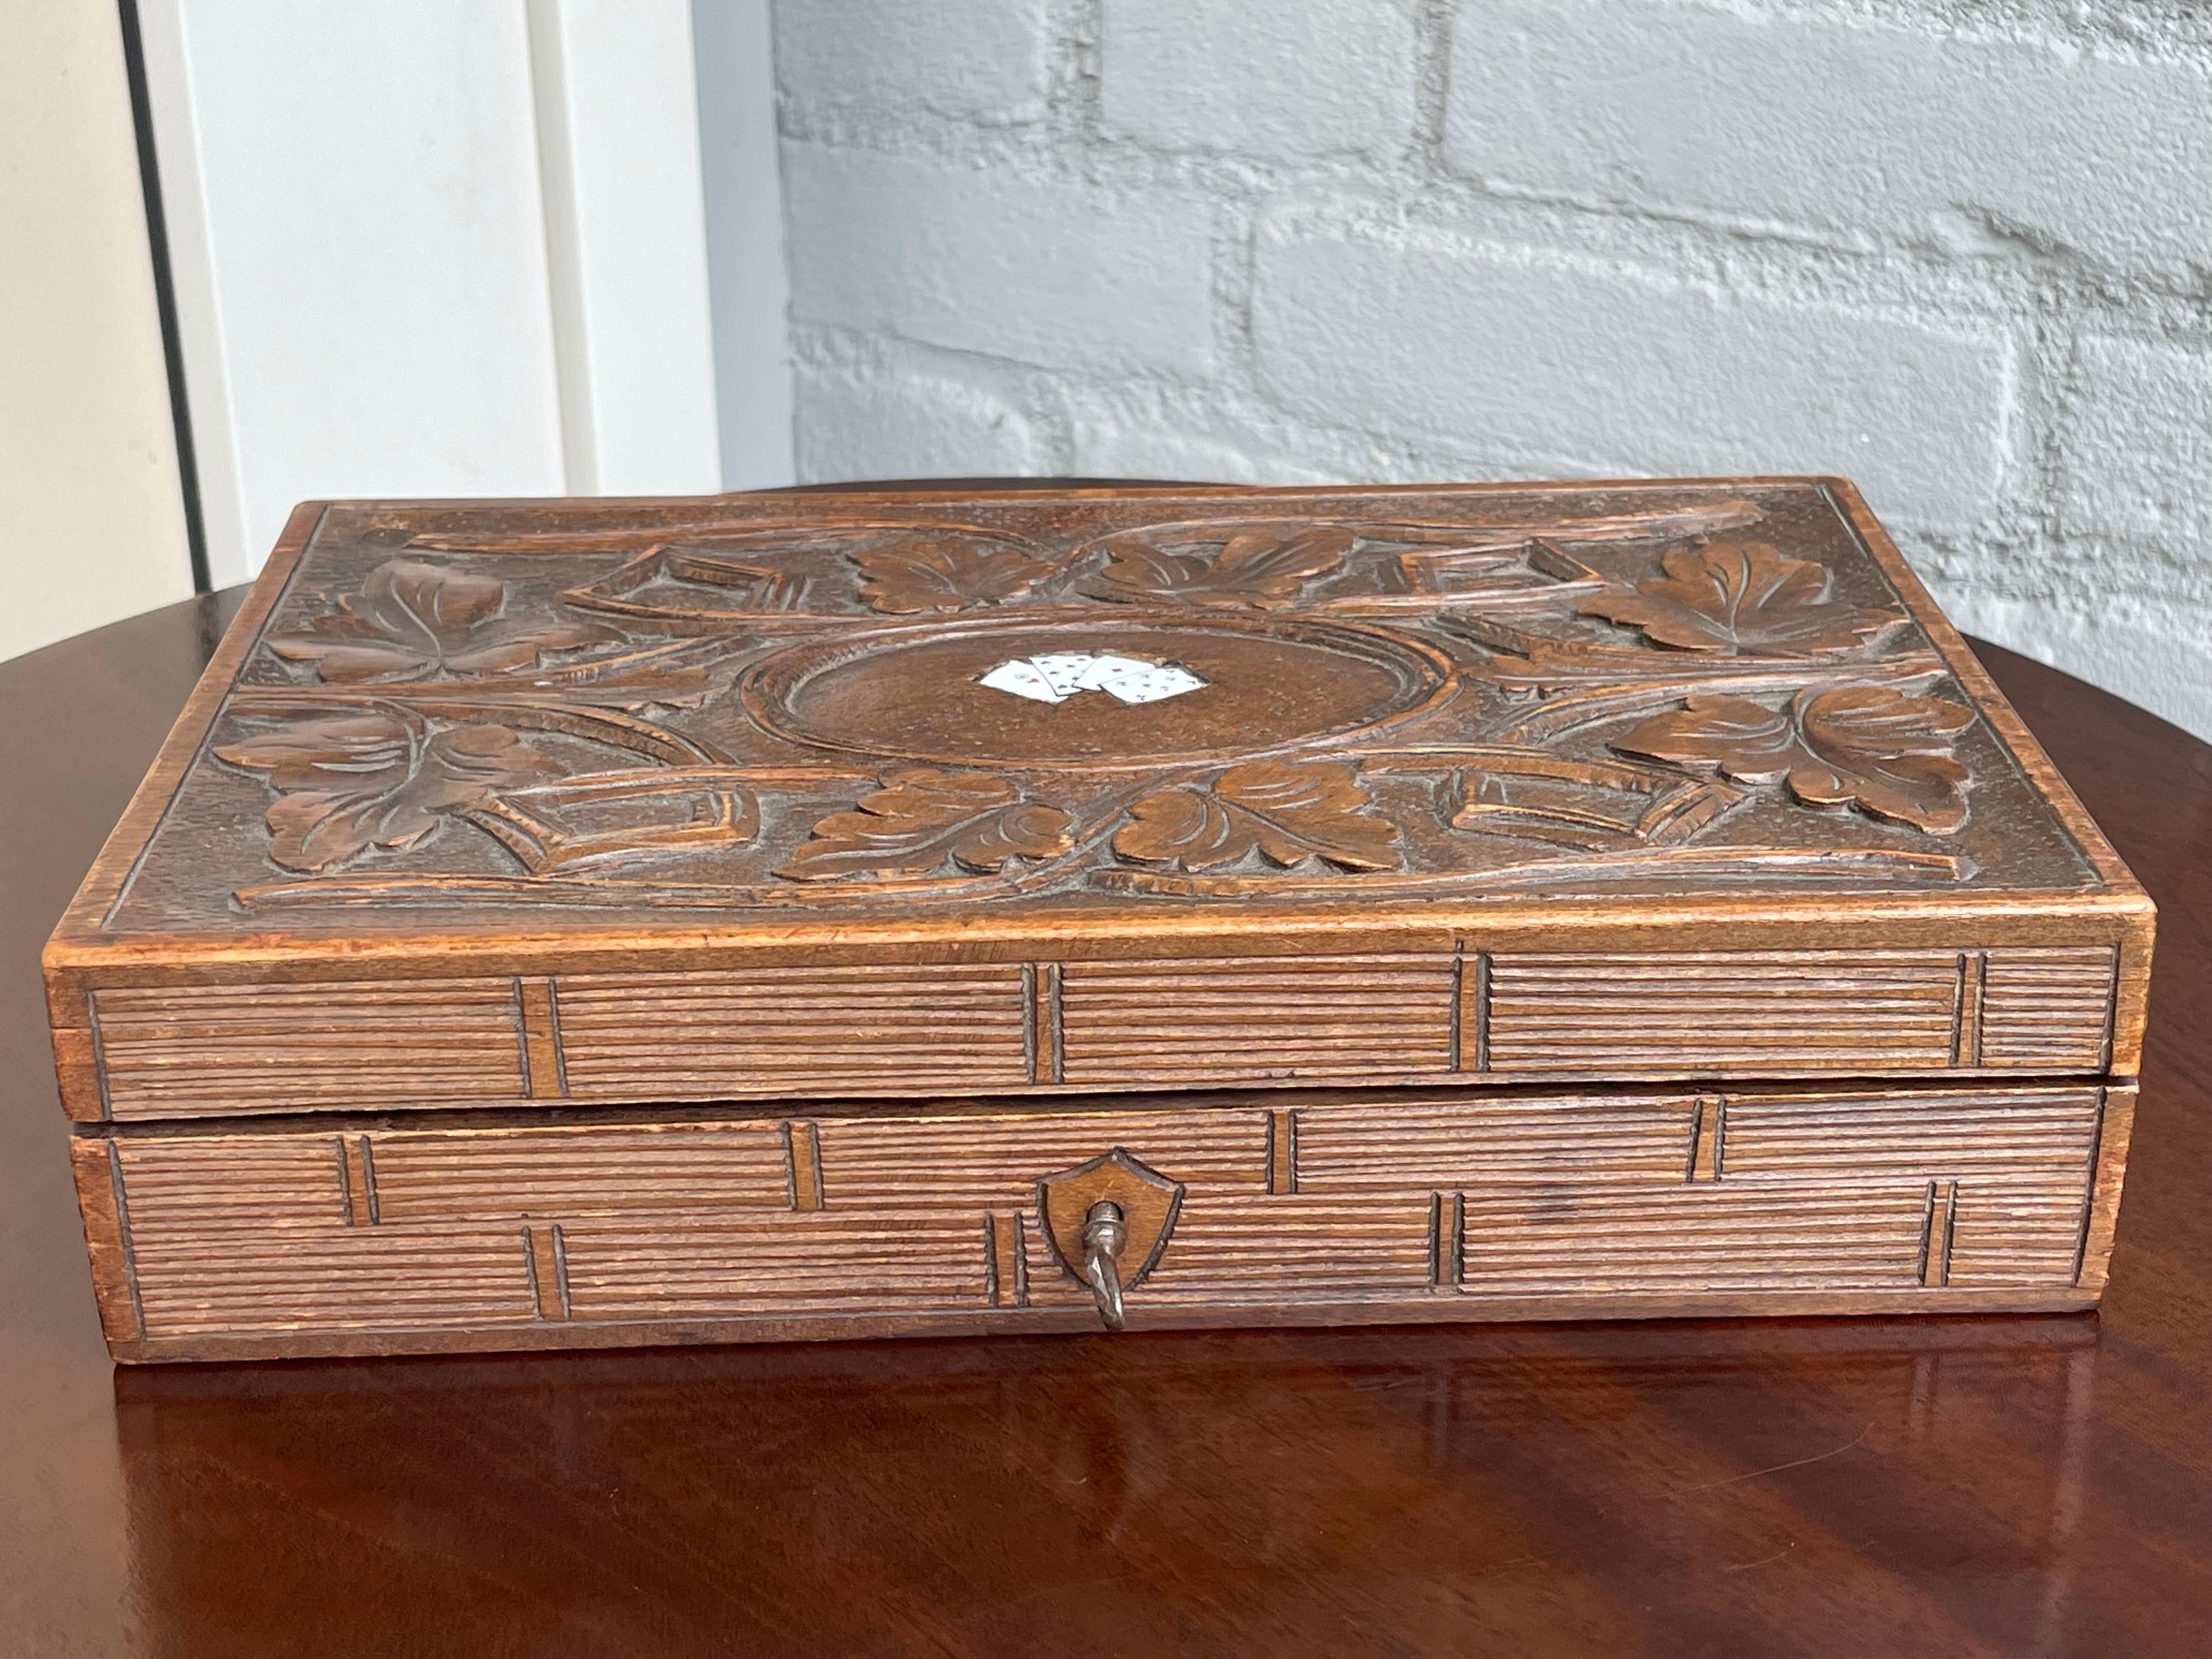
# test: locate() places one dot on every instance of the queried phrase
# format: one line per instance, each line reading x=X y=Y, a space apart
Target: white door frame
x=552 y=147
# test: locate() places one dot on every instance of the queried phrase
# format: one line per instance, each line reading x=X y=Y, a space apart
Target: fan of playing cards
x=1057 y=676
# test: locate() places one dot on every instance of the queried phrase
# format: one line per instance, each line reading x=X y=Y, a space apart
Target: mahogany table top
x=2000 y=1486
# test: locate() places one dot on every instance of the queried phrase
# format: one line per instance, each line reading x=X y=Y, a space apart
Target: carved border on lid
x=1600 y=694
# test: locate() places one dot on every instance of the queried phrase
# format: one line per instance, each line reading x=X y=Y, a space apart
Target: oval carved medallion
x=919 y=693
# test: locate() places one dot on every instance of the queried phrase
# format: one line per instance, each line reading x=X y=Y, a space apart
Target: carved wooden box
x=592 y=923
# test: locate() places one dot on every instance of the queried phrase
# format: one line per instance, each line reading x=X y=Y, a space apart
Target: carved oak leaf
x=352 y=782
x=1290 y=811
x=923 y=816
x=413 y=620
x=1266 y=566
x=1735 y=597
x=920 y=573
x=1868 y=743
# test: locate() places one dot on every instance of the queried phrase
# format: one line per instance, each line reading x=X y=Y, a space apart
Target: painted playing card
x=1024 y=680
x=1150 y=681
x=1106 y=666
x=1064 y=670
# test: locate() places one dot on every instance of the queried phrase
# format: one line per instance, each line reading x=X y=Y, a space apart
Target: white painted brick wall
x=1050 y=271
x=983 y=60
x=1619 y=367
x=2135 y=459
x=1826 y=123
x=916 y=425
x=1959 y=249
x=1295 y=79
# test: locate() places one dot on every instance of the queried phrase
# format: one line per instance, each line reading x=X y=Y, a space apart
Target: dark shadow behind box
x=581 y=923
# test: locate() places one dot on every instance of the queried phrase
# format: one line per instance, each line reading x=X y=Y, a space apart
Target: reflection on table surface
x=1701 y=1476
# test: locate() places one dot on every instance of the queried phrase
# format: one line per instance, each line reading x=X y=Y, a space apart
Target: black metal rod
x=165 y=295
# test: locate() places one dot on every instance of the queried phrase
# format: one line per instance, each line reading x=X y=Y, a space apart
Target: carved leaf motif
x=415 y=620
x=1868 y=743
x=1738 y=598
x=1266 y=565
x=922 y=818
x=915 y=573
x=1290 y=811
x=349 y=783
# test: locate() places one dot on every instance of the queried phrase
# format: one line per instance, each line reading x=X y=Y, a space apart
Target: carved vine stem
x=379 y=889
x=610 y=726
x=1551 y=718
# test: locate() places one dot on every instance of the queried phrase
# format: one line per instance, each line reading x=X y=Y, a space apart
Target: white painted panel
x=361 y=253
x=619 y=138
x=91 y=519
x=751 y=287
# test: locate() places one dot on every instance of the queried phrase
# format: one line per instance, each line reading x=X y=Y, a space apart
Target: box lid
x=790 y=795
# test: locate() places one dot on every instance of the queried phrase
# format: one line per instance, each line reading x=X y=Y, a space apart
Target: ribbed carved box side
x=237 y=1233
x=1473 y=1142
x=188 y=1050
x=2007 y=1176
x=188 y=1184
x=216 y=1283
x=2006 y=1233
x=1230 y=1251
x=793 y=1032
x=1296 y=1249
x=489 y=1173
x=1750 y=1012
x=734 y=1267
x=2048 y=1008
x=1694 y=1238
x=467 y=1235
x=980 y=1161
x=1255 y=1020
x=2040 y=1138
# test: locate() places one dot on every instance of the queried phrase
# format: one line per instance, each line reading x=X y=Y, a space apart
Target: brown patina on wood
x=718 y=915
